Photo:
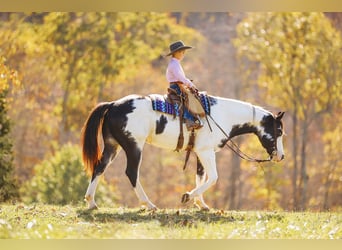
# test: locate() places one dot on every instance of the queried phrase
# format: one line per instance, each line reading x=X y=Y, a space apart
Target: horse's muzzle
x=277 y=158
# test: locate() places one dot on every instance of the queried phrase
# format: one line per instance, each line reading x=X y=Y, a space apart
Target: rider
x=175 y=75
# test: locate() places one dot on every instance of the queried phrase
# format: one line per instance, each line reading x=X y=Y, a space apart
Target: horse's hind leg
x=109 y=152
x=200 y=179
x=134 y=155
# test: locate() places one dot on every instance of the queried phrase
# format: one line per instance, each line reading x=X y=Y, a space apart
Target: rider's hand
x=190 y=85
x=194 y=89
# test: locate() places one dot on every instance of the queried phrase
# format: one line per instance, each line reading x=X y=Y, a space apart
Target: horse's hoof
x=148 y=206
x=205 y=209
x=93 y=207
x=153 y=209
x=91 y=203
x=185 y=198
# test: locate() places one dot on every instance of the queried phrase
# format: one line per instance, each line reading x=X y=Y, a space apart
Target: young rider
x=175 y=75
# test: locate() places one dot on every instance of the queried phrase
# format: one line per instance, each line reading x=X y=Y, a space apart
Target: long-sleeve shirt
x=175 y=72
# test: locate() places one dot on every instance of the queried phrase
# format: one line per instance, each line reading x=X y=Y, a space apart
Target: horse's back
x=139 y=119
x=133 y=113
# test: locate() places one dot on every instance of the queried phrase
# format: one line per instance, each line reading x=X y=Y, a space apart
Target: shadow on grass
x=165 y=217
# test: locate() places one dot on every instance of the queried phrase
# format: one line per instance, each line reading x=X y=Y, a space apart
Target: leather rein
x=235 y=148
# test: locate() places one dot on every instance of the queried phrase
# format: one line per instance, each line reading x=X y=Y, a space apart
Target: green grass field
x=61 y=222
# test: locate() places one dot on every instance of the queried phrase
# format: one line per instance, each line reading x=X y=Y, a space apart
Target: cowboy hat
x=176 y=46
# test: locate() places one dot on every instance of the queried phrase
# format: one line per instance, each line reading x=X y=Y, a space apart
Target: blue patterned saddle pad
x=160 y=104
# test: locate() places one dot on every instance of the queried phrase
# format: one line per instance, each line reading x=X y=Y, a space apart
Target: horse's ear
x=280 y=115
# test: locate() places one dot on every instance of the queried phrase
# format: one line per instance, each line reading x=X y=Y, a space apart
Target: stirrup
x=199 y=123
x=193 y=124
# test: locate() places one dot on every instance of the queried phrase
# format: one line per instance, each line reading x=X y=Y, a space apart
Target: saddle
x=189 y=99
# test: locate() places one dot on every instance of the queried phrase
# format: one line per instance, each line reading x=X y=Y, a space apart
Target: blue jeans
x=186 y=114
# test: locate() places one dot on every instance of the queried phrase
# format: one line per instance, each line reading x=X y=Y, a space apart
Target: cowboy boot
x=193 y=124
x=198 y=121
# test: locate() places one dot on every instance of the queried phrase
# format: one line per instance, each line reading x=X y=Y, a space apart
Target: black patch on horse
x=161 y=124
x=242 y=129
x=118 y=113
x=200 y=168
x=273 y=128
x=268 y=122
x=116 y=122
x=239 y=130
x=272 y=125
x=212 y=100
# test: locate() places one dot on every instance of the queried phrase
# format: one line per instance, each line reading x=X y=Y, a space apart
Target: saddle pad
x=160 y=104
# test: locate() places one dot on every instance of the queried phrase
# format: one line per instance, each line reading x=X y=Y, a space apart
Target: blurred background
x=55 y=67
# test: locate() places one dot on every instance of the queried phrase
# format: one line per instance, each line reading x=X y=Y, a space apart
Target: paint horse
x=130 y=122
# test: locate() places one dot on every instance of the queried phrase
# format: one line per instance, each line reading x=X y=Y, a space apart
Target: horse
x=130 y=122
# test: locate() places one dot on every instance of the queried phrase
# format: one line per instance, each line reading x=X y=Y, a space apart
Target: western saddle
x=189 y=99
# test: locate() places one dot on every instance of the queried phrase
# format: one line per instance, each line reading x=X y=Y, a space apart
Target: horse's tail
x=91 y=151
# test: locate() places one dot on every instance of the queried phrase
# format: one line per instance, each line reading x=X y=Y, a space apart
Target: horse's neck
x=239 y=117
x=234 y=111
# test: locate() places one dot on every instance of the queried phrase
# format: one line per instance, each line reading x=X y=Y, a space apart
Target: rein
x=235 y=148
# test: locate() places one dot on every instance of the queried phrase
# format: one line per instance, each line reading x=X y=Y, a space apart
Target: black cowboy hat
x=179 y=45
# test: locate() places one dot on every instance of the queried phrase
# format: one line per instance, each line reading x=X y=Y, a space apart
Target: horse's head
x=271 y=136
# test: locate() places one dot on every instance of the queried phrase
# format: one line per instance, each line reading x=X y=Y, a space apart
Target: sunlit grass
x=55 y=222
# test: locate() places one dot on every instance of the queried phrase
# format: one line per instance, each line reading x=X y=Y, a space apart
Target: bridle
x=235 y=148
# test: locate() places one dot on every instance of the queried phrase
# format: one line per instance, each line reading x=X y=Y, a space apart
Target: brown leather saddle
x=188 y=99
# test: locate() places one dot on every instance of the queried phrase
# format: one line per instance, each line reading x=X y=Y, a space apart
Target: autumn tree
x=300 y=70
x=94 y=48
x=8 y=184
x=68 y=62
x=59 y=179
x=34 y=106
x=331 y=169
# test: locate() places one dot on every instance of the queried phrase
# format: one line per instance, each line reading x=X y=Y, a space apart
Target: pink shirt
x=175 y=72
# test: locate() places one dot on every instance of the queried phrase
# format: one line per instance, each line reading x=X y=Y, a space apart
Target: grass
x=61 y=222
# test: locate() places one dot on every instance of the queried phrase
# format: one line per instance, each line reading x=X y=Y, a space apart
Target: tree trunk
x=234 y=182
x=268 y=181
x=326 y=194
x=328 y=183
x=295 y=166
x=64 y=123
x=303 y=173
x=64 y=126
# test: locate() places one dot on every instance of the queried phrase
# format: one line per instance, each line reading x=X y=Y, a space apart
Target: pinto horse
x=131 y=121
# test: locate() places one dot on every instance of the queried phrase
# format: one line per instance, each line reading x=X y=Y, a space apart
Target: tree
x=8 y=184
x=300 y=70
x=60 y=180
x=332 y=165
x=67 y=62
x=94 y=49
x=33 y=104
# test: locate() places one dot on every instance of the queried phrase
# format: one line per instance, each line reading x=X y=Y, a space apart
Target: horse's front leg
x=200 y=179
x=207 y=158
